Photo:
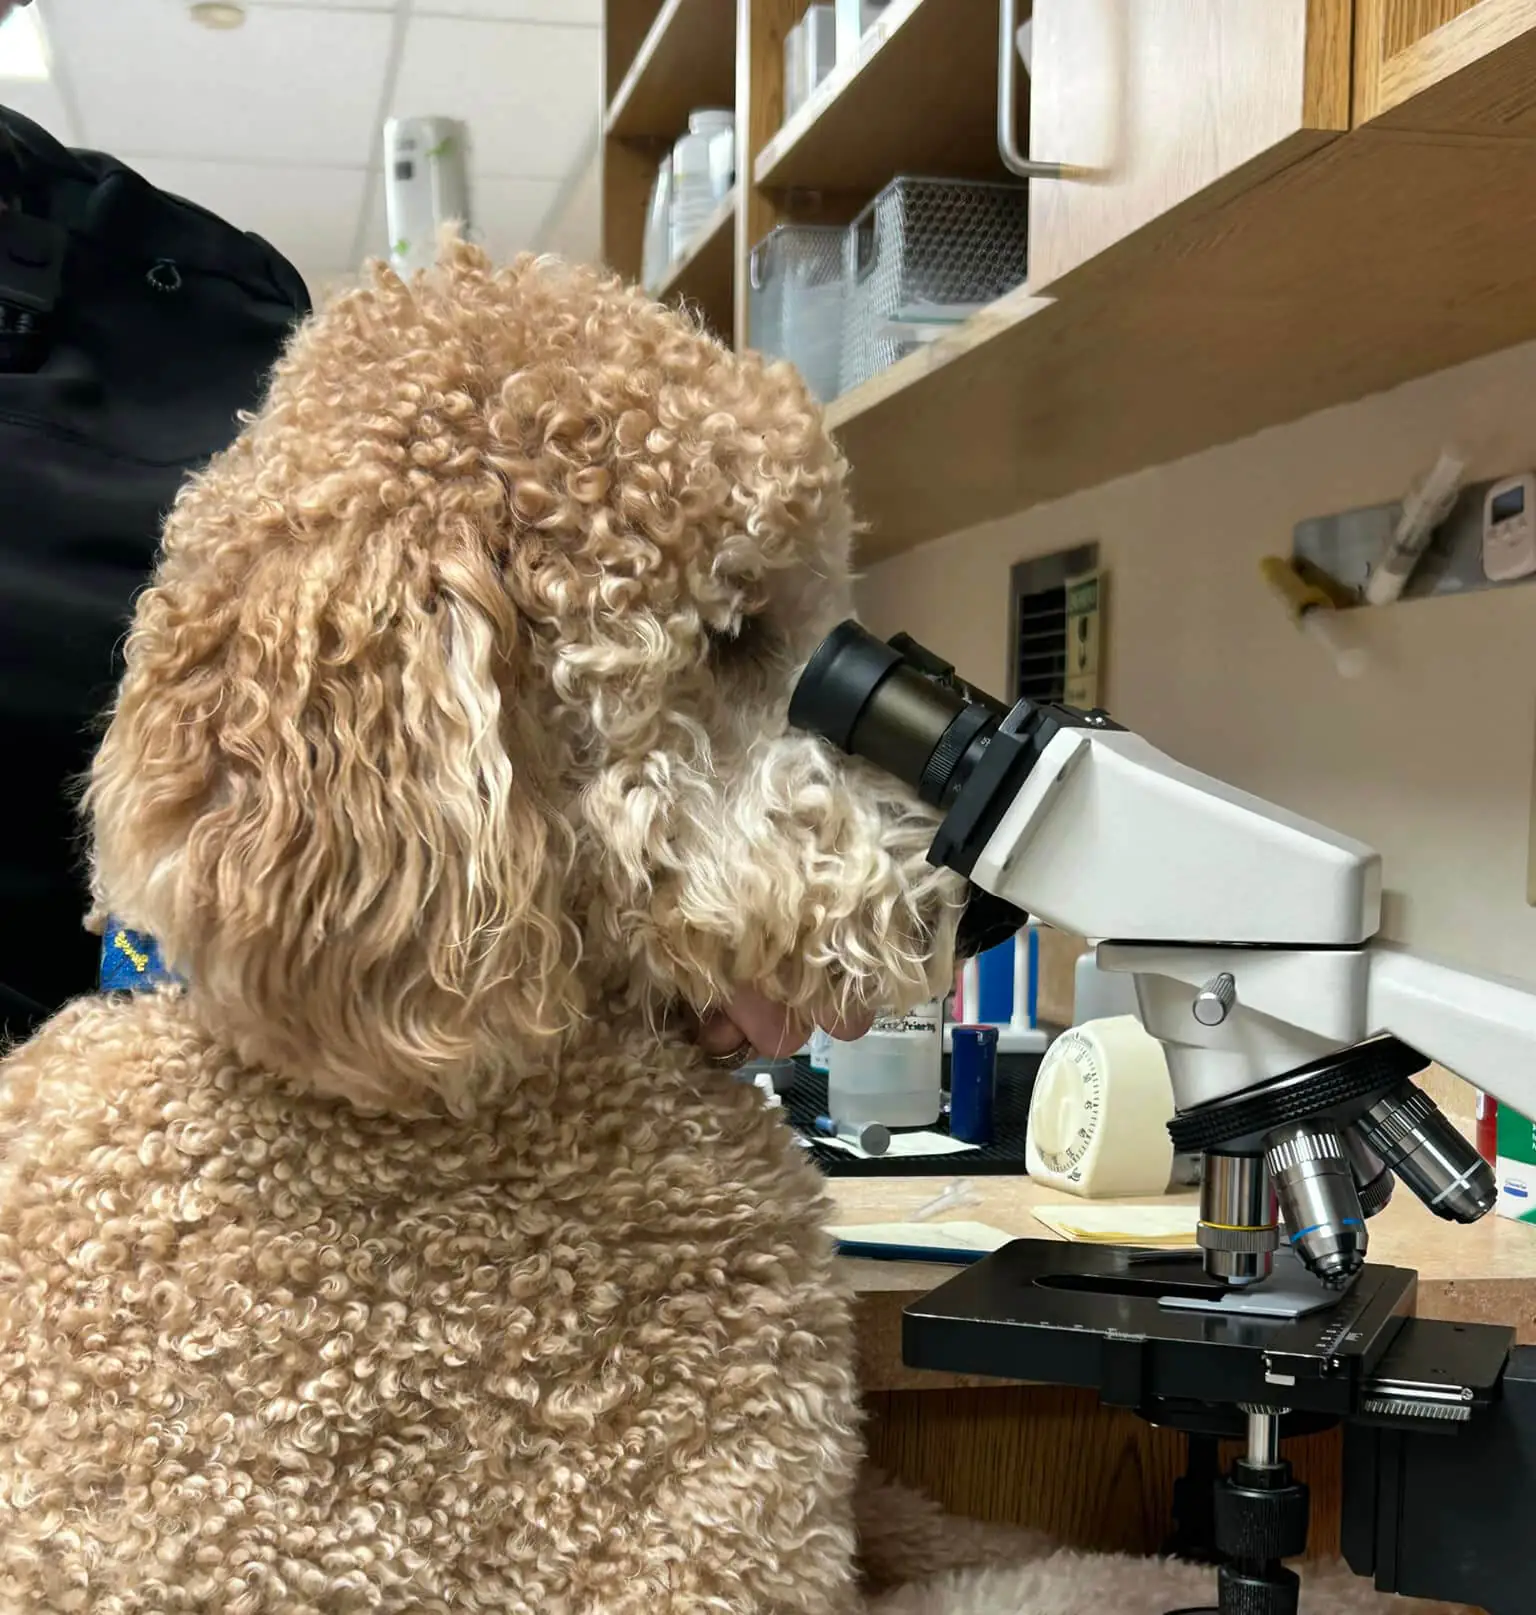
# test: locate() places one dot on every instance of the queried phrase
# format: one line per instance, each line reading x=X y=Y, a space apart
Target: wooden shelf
x=920 y=98
x=1318 y=286
x=687 y=60
x=990 y=325
x=705 y=275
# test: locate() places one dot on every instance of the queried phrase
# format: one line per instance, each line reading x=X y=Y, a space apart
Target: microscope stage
x=1114 y=1318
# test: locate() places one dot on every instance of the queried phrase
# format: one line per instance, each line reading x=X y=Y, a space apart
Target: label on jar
x=922 y=1020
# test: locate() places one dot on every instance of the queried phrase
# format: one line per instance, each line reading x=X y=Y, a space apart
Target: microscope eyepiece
x=896 y=706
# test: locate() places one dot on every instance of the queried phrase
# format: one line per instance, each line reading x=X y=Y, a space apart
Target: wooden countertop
x=1485 y=1273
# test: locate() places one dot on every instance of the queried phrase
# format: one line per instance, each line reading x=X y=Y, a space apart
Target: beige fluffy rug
x=998 y=1570
x=1070 y=1583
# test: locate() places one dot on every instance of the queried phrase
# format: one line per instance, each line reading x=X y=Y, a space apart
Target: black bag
x=133 y=329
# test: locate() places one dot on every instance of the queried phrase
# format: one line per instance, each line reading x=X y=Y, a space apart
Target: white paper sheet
x=905 y=1145
x=962 y=1236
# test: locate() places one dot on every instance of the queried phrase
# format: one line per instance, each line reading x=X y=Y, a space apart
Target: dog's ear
x=320 y=790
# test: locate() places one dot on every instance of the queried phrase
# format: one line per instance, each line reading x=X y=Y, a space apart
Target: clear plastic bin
x=795 y=304
x=921 y=247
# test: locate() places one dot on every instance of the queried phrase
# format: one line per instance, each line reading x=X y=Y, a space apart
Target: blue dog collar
x=130 y=961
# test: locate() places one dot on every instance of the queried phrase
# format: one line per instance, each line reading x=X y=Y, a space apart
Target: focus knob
x=1215 y=999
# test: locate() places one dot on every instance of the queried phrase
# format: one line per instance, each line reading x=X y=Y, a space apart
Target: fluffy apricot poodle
x=417 y=1254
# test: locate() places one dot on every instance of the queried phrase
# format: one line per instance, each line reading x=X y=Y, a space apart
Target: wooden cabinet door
x=1164 y=105
x=1446 y=66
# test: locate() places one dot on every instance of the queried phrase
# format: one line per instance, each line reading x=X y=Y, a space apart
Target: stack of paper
x=1110 y=1224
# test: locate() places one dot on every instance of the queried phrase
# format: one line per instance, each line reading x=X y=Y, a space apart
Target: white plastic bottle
x=891 y=1075
x=698 y=166
x=656 y=251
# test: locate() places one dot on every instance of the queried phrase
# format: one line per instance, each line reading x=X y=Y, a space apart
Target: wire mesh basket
x=926 y=252
x=795 y=306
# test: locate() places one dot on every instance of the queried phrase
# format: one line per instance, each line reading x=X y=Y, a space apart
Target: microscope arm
x=1481 y=1027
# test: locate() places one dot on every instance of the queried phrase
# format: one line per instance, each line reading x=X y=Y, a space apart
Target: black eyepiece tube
x=899 y=707
x=871 y=700
x=839 y=681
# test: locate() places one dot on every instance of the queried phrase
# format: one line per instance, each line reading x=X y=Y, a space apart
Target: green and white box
x=1516 y=1166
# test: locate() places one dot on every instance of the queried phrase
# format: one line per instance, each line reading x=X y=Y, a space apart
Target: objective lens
x=1238 y=1226
x=1316 y=1190
x=1373 y=1177
x=1408 y=1131
x=865 y=697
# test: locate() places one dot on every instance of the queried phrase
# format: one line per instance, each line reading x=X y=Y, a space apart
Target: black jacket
x=164 y=327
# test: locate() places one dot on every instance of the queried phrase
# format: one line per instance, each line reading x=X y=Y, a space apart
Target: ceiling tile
x=42 y=103
x=508 y=213
x=308 y=214
x=293 y=85
x=589 y=12
x=529 y=93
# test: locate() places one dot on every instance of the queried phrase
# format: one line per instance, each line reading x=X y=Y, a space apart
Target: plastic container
x=854 y=19
x=810 y=53
x=656 y=250
x=973 y=1083
x=921 y=248
x=697 y=165
x=892 y=1074
x=796 y=72
x=795 y=301
x=1487 y=1127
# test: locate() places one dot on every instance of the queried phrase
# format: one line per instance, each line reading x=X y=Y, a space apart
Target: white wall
x=574 y=226
x=1429 y=757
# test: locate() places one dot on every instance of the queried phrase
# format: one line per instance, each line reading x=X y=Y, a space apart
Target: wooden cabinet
x=1271 y=206
x=1164 y=106
x=1446 y=66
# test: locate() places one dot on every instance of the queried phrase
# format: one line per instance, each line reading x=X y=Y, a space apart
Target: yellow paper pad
x=1122 y=1225
x=960 y=1236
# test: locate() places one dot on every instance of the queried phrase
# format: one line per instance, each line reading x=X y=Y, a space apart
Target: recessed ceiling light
x=23 y=51
x=221 y=14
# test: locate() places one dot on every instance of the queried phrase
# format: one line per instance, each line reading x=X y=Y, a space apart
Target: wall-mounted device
x=1487 y=540
x=1509 y=529
x=426 y=185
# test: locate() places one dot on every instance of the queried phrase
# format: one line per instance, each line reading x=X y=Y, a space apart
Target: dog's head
x=455 y=718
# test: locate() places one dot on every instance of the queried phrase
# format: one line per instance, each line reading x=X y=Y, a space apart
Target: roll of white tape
x=1098 y=1119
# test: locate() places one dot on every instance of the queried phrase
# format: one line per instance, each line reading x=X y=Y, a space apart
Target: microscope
x=1292 y=1037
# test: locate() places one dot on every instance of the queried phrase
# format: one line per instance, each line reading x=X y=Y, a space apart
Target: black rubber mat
x=806 y=1099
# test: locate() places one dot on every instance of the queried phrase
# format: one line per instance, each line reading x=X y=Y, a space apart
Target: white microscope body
x=1196 y=880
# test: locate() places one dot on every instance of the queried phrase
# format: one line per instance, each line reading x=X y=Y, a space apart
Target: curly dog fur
x=411 y=1258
